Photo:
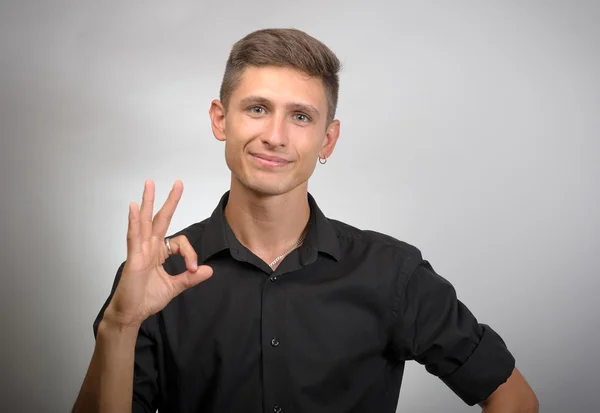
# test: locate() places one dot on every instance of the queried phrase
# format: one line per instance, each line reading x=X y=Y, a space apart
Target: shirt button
x=274 y=342
x=273 y=278
x=276 y=409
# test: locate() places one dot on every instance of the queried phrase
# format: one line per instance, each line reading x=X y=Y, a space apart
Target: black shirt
x=329 y=330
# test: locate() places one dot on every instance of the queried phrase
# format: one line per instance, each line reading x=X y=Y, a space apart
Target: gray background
x=470 y=130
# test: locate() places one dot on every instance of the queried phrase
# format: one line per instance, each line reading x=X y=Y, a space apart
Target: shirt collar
x=321 y=236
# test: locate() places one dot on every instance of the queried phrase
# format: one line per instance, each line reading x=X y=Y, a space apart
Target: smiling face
x=274 y=128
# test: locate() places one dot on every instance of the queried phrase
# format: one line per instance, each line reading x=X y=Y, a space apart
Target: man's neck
x=267 y=225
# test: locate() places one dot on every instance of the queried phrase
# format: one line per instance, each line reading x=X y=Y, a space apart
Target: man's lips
x=269 y=160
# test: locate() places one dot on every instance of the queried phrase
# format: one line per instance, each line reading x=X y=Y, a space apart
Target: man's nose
x=276 y=133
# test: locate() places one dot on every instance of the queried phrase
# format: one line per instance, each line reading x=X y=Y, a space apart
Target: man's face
x=274 y=129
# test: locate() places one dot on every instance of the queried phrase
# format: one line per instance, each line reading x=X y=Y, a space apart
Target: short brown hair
x=284 y=48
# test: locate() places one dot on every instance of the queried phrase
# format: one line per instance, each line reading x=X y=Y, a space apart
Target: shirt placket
x=273 y=346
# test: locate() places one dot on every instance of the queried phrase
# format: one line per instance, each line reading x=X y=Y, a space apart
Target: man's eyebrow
x=295 y=107
x=303 y=107
x=255 y=100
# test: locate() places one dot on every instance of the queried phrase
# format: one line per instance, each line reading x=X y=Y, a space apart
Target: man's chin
x=265 y=188
x=269 y=190
x=265 y=185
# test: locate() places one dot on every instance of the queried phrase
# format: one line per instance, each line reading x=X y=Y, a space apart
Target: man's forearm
x=108 y=384
x=526 y=404
x=513 y=396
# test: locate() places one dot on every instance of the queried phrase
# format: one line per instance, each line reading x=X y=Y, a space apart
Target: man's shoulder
x=375 y=238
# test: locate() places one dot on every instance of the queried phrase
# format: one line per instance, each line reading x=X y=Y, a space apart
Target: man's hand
x=145 y=288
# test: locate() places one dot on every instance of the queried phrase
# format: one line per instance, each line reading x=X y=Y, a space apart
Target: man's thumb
x=189 y=279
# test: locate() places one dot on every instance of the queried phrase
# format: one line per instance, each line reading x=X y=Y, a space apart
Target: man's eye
x=259 y=110
x=301 y=117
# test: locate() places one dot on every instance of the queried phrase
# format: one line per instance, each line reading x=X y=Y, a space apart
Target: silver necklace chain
x=276 y=260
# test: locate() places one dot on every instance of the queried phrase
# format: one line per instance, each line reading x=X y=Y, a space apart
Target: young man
x=269 y=306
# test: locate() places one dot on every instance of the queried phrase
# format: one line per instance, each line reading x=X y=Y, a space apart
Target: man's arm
x=142 y=288
x=513 y=396
x=108 y=384
x=432 y=326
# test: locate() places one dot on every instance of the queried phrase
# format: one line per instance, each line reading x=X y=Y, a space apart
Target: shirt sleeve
x=145 y=374
x=430 y=325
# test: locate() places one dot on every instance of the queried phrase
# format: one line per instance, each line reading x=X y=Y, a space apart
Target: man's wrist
x=111 y=323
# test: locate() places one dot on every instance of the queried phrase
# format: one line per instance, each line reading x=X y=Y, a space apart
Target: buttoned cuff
x=489 y=366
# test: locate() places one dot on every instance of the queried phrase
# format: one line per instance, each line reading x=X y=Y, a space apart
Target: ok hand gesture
x=145 y=287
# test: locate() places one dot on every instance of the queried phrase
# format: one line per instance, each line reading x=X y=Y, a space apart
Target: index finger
x=163 y=217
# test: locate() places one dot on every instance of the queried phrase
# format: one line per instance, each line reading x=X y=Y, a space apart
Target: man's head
x=278 y=99
x=289 y=48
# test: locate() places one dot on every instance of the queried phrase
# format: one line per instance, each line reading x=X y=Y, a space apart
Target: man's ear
x=217 y=119
x=331 y=138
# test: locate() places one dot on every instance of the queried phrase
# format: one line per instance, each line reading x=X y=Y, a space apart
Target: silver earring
x=322 y=161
